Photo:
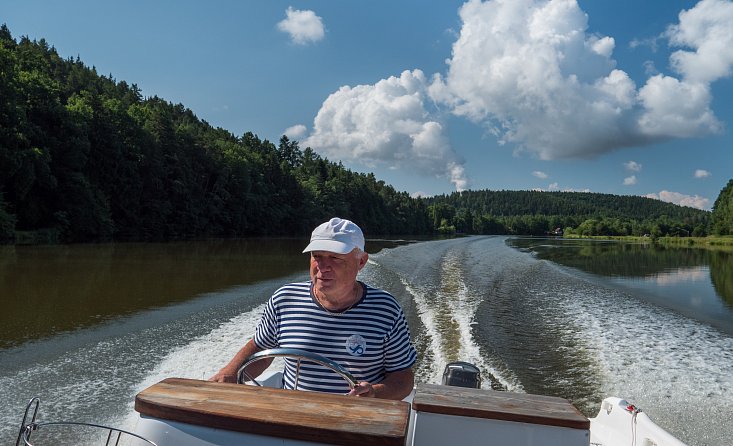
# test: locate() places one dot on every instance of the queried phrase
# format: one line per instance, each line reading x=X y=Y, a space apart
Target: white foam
x=672 y=367
x=453 y=300
x=202 y=357
x=464 y=314
x=428 y=317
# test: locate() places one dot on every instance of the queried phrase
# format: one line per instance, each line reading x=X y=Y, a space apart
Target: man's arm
x=395 y=386
x=228 y=373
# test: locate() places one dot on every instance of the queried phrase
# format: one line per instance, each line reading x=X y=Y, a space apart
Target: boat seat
x=304 y=416
x=473 y=417
x=491 y=404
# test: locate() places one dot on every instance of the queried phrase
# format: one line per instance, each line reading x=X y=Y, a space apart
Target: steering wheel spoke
x=299 y=355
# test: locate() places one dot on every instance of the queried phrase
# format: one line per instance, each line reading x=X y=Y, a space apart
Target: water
x=556 y=327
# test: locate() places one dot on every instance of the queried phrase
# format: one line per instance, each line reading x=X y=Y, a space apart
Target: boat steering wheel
x=299 y=355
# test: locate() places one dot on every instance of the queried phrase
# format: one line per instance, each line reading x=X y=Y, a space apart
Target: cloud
x=630 y=181
x=387 y=124
x=296 y=132
x=632 y=166
x=540 y=175
x=693 y=201
x=651 y=43
x=707 y=29
x=676 y=109
x=700 y=173
x=420 y=194
x=556 y=187
x=529 y=71
x=303 y=26
x=650 y=69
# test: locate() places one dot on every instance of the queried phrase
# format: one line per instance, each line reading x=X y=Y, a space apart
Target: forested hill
x=580 y=204
x=605 y=214
x=84 y=157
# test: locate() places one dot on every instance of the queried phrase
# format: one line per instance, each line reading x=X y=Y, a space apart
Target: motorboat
x=190 y=412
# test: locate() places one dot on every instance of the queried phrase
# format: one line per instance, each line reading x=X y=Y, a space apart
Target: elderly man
x=359 y=327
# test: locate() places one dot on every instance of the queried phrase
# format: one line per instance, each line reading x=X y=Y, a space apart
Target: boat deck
x=304 y=416
x=493 y=405
x=335 y=419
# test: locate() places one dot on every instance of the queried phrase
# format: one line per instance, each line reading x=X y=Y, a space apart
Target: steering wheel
x=299 y=355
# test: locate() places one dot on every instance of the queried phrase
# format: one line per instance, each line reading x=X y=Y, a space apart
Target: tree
x=7 y=223
x=722 y=216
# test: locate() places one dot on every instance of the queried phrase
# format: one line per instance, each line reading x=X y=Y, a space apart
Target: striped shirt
x=369 y=339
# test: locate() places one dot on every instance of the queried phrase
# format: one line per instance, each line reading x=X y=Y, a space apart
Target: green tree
x=722 y=216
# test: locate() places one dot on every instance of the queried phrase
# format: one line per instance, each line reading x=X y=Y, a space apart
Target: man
x=361 y=328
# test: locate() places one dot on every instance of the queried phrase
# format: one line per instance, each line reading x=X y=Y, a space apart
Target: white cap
x=336 y=235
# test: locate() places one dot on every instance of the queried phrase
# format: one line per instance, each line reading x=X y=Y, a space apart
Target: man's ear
x=363 y=260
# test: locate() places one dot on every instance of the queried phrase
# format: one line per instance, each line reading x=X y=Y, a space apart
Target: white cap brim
x=330 y=246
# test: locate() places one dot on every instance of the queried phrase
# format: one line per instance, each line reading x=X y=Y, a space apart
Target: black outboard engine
x=462 y=374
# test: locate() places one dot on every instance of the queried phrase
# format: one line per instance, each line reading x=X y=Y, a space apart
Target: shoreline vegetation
x=711 y=242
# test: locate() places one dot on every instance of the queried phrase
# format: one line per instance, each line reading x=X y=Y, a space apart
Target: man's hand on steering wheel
x=363 y=389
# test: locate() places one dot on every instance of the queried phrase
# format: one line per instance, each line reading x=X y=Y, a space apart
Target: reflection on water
x=680 y=276
x=721 y=273
x=45 y=290
x=695 y=282
x=50 y=289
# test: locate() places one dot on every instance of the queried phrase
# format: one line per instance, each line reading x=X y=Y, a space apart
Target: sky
x=623 y=97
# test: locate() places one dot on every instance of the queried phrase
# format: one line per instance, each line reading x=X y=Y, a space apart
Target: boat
x=191 y=412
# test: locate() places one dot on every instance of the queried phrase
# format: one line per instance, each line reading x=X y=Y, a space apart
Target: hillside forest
x=85 y=157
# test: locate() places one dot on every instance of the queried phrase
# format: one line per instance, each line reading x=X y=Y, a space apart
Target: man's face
x=333 y=274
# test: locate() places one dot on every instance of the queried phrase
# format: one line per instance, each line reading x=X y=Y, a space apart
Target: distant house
x=557 y=232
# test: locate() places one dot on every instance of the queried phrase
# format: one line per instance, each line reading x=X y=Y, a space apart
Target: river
x=85 y=327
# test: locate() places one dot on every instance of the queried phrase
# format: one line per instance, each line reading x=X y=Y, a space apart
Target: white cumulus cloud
x=387 y=124
x=630 y=181
x=632 y=166
x=693 y=201
x=707 y=30
x=530 y=72
x=296 y=132
x=303 y=26
x=540 y=175
x=701 y=173
x=676 y=109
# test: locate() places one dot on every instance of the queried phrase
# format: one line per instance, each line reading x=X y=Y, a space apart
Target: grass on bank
x=711 y=242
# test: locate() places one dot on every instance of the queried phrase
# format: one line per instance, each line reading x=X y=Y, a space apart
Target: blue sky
x=623 y=97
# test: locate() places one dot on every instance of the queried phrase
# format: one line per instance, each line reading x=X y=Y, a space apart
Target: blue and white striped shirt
x=369 y=339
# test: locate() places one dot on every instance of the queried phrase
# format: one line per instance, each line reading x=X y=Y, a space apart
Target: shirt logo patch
x=355 y=345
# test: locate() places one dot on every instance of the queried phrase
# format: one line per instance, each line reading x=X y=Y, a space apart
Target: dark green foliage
x=541 y=213
x=722 y=218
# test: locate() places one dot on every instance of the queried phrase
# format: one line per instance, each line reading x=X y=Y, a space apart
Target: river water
x=87 y=327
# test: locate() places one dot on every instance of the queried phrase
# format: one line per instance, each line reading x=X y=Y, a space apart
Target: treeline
x=84 y=157
x=541 y=213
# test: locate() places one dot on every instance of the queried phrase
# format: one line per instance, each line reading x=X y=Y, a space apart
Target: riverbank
x=715 y=242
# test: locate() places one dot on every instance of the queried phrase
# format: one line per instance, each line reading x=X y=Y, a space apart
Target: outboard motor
x=462 y=374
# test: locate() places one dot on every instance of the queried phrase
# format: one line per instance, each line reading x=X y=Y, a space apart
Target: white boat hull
x=193 y=413
x=619 y=423
x=185 y=412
